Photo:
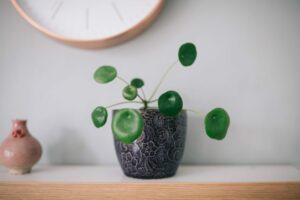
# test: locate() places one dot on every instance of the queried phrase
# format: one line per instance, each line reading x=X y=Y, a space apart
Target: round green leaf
x=170 y=103
x=130 y=92
x=137 y=82
x=216 y=123
x=99 y=116
x=187 y=54
x=127 y=125
x=105 y=74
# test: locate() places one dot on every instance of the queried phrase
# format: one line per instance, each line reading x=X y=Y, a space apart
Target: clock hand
x=57 y=9
x=87 y=15
x=54 y=4
x=117 y=10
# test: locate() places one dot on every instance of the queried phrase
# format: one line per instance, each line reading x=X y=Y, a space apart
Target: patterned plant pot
x=158 y=151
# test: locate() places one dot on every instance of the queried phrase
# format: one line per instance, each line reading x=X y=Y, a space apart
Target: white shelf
x=190 y=183
x=185 y=174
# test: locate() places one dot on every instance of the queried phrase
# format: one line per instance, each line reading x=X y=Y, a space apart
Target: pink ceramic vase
x=20 y=150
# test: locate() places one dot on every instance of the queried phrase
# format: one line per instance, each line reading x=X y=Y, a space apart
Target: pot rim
x=149 y=108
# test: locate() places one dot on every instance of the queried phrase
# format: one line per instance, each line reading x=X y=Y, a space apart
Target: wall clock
x=89 y=23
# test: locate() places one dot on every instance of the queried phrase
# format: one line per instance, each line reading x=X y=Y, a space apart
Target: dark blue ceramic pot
x=158 y=151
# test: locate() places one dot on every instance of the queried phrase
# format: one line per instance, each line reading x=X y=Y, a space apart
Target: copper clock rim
x=107 y=41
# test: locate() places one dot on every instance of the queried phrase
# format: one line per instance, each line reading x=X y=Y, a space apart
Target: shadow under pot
x=158 y=151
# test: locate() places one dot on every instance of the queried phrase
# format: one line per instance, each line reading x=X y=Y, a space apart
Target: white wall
x=248 y=63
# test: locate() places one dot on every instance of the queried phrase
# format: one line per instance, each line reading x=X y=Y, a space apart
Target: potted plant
x=150 y=141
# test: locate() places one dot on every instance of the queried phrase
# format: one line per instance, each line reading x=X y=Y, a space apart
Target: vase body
x=20 y=150
x=158 y=151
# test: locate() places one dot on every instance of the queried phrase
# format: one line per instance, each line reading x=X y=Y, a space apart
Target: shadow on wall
x=196 y=143
x=70 y=149
x=193 y=141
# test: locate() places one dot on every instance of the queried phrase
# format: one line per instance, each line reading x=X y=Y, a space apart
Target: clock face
x=86 y=19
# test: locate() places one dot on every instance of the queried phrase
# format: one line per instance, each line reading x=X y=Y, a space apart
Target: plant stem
x=194 y=111
x=153 y=101
x=123 y=80
x=123 y=102
x=141 y=98
x=145 y=104
x=162 y=79
x=144 y=95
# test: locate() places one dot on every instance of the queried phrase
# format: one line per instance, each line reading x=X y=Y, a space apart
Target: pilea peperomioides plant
x=128 y=124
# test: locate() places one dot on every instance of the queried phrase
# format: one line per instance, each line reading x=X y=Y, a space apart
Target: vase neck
x=19 y=128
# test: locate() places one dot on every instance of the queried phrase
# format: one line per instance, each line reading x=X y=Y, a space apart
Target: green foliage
x=170 y=103
x=105 y=74
x=187 y=54
x=216 y=123
x=127 y=125
x=130 y=92
x=99 y=116
x=137 y=82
